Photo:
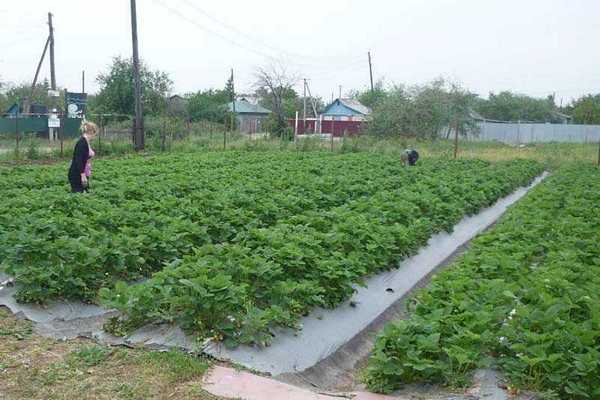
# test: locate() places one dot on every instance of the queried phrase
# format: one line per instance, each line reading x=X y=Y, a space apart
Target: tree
x=116 y=89
x=371 y=98
x=230 y=89
x=210 y=105
x=291 y=102
x=3 y=99
x=508 y=106
x=423 y=111
x=586 y=109
x=275 y=84
x=392 y=117
x=18 y=93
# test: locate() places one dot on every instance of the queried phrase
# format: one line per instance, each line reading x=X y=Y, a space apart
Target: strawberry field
x=232 y=245
x=525 y=298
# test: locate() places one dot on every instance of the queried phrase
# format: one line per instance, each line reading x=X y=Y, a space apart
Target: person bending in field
x=81 y=165
x=409 y=157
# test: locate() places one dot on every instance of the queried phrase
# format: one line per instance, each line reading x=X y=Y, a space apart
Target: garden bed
x=523 y=299
x=238 y=247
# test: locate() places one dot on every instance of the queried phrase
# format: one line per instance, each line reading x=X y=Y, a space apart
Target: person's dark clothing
x=413 y=156
x=81 y=154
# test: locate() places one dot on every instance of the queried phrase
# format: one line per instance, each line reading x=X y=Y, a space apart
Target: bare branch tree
x=275 y=80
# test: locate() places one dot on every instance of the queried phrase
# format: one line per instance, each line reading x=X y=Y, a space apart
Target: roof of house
x=245 y=107
x=478 y=117
x=346 y=107
x=177 y=97
x=13 y=110
x=475 y=115
x=561 y=115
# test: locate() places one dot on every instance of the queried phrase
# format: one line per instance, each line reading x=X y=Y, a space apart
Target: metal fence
x=38 y=123
x=518 y=133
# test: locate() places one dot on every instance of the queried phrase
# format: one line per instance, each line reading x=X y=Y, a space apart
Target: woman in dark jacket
x=81 y=165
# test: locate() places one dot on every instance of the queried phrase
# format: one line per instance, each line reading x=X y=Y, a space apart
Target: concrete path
x=227 y=382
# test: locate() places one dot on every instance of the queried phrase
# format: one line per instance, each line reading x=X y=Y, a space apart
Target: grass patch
x=13 y=328
x=90 y=355
x=178 y=366
x=32 y=367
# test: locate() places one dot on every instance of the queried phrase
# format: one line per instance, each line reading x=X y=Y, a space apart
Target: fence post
x=455 y=139
x=61 y=132
x=332 y=131
x=164 y=132
x=17 y=133
x=225 y=133
x=296 y=128
x=320 y=124
x=483 y=136
x=100 y=133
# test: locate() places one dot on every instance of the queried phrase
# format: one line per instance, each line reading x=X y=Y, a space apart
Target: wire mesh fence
x=31 y=140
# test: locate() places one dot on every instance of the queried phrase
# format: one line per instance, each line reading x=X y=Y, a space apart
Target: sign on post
x=75 y=104
x=53 y=121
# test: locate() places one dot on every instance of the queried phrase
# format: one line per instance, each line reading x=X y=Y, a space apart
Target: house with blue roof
x=250 y=117
x=346 y=110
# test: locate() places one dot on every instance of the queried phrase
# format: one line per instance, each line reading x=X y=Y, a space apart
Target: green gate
x=10 y=126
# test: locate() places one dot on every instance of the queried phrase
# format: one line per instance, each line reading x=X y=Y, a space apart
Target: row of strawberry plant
x=214 y=165
x=240 y=291
x=524 y=298
x=57 y=245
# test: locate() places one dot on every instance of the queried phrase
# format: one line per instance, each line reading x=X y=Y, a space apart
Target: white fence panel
x=517 y=133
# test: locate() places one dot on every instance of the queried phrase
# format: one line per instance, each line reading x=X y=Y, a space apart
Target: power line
x=210 y=31
x=236 y=43
x=234 y=29
x=248 y=37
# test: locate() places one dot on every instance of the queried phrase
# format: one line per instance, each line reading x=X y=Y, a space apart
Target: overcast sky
x=534 y=47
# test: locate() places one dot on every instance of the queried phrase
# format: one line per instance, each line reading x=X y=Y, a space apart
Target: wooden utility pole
x=233 y=115
x=304 y=112
x=314 y=106
x=139 y=121
x=35 y=78
x=371 y=72
x=52 y=66
x=82 y=81
x=52 y=131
